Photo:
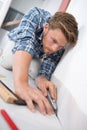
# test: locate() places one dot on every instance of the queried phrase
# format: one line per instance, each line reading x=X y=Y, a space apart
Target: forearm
x=29 y=94
x=21 y=64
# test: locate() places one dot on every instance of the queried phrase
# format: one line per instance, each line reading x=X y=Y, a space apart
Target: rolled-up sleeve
x=24 y=34
x=46 y=68
x=49 y=64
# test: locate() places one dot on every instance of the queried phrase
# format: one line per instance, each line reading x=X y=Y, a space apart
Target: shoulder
x=39 y=12
x=38 y=16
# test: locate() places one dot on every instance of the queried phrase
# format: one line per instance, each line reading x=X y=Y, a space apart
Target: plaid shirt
x=28 y=37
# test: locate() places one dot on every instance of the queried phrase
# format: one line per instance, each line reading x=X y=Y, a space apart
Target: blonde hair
x=68 y=25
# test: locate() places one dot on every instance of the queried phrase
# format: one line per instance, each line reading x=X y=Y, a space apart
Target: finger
x=53 y=91
x=48 y=107
x=30 y=105
x=43 y=89
x=43 y=104
x=38 y=99
x=41 y=107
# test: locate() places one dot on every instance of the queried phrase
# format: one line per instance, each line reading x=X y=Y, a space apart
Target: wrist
x=41 y=78
x=20 y=86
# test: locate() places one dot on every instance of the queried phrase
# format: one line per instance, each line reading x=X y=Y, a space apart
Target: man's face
x=53 y=40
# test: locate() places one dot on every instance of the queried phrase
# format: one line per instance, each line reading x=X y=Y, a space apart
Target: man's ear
x=46 y=28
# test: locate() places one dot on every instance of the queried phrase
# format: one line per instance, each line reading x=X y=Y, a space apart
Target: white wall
x=72 y=69
x=24 y=5
x=4 y=6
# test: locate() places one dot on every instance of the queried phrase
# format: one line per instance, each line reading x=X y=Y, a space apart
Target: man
x=43 y=36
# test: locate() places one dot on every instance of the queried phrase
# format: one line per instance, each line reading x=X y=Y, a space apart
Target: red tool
x=9 y=120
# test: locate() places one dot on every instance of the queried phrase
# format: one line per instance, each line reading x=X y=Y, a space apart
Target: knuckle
x=37 y=98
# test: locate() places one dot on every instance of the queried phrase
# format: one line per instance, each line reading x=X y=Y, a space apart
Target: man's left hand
x=45 y=85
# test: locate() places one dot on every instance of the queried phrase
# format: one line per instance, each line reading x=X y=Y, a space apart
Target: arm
x=21 y=64
x=43 y=81
x=23 y=89
x=47 y=68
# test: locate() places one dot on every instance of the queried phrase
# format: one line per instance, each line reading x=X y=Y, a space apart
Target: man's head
x=61 y=29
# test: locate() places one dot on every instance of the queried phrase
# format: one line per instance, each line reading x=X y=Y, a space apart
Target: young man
x=43 y=36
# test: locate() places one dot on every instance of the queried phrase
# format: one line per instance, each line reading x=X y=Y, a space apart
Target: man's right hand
x=22 y=60
x=34 y=96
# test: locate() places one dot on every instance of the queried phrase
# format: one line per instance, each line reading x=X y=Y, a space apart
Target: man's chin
x=46 y=51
